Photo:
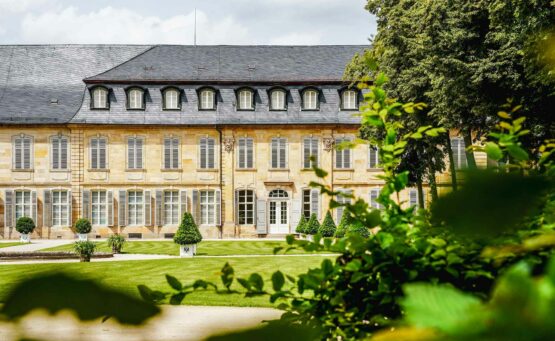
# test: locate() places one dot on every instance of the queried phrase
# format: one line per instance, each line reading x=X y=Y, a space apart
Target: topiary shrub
x=328 y=227
x=85 y=250
x=188 y=232
x=116 y=242
x=313 y=225
x=83 y=226
x=301 y=226
x=346 y=221
x=357 y=228
x=25 y=225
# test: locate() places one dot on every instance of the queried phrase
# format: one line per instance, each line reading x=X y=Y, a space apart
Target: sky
x=249 y=22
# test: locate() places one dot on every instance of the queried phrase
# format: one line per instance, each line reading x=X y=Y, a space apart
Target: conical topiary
x=328 y=227
x=357 y=228
x=188 y=232
x=346 y=221
x=301 y=225
x=313 y=225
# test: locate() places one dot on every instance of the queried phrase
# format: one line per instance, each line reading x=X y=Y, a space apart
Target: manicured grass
x=205 y=248
x=10 y=244
x=126 y=275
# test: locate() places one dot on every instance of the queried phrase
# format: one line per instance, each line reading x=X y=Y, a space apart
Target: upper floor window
x=207 y=99
x=135 y=153
x=245 y=99
x=279 y=153
x=459 y=153
x=100 y=98
x=98 y=153
x=172 y=99
x=207 y=153
x=59 y=152
x=135 y=98
x=245 y=153
x=310 y=99
x=278 y=99
x=22 y=152
x=349 y=100
x=171 y=153
x=310 y=150
x=373 y=157
x=343 y=155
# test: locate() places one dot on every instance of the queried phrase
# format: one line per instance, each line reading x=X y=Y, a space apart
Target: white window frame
x=278 y=100
x=135 y=99
x=99 y=208
x=60 y=208
x=373 y=160
x=207 y=99
x=22 y=151
x=135 y=155
x=22 y=207
x=243 y=204
x=281 y=149
x=207 y=207
x=458 y=148
x=135 y=208
x=99 y=98
x=56 y=152
x=171 y=99
x=345 y=163
x=243 y=146
x=245 y=99
x=349 y=100
x=373 y=197
x=203 y=148
x=310 y=99
x=171 y=207
x=98 y=152
x=313 y=146
x=173 y=152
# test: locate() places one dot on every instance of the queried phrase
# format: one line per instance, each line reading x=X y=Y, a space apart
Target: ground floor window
x=135 y=207
x=60 y=208
x=171 y=207
x=245 y=207
x=22 y=204
x=99 y=208
x=207 y=207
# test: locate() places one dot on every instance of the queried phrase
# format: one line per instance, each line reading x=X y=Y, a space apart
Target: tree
x=346 y=221
x=313 y=225
x=188 y=232
x=301 y=225
x=328 y=228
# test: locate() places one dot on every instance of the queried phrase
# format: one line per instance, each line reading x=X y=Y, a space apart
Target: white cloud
x=17 y=6
x=120 y=25
x=297 y=39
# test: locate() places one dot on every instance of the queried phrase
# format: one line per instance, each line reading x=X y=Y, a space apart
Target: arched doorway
x=279 y=211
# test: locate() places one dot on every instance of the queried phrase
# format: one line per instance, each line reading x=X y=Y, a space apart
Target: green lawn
x=9 y=244
x=126 y=275
x=205 y=248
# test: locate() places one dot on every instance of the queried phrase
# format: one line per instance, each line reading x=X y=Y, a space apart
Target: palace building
x=131 y=137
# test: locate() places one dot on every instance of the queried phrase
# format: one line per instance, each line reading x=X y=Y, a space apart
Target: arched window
x=172 y=99
x=135 y=98
x=207 y=99
x=310 y=99
x=99 y=98
x=245 y=99
x=278 y=99
x=349 y=99
x=278 y=193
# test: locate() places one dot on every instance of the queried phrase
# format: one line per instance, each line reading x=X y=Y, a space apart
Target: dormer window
x=171 y=98
x=136 y=99
x=99 y=98
x=278 y=99
x=207 y=99
x=349 y=99
x=245 y=99
x=310 y=99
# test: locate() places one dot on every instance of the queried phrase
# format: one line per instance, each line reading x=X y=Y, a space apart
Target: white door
x=279 y=217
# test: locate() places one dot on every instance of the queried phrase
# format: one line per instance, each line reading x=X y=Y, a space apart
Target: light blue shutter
x=338 y=154
x=315 y=202
x=69 y=220
x=218 y=210
x=27 y=155
x=182 y=203
x=167 y=153
x=122 y=207
x=18 y=153
x=130 y=153
x=148 y=210
x=55 y=154
x=139 y=153
x=64 y=152
x=241 y=153
x=211 y=153
x=250 y=153
x=195 y=207
x=274 y=157
x=9 y=208
x=296 y=211
x=175 y=153
x=102 y=154
x=34 y=206
x=202 y=153
x=85 y=204
x=110 y=204
x=94 y=153
x=283 y=153
x=261 y=226
x=47 y=208
x=159 y=208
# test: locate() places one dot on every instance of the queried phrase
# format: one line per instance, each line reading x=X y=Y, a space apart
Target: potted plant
x=346 y=221
x=328 y=227
x=187 y=236
x=312 y=226
x=25 y=226
x=116 y=242
x=85 y=250
x=301 y=226
x=83 y=227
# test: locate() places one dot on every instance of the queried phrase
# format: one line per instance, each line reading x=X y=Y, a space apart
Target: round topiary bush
x=357 y=228
x=328 y=227
x=25 y=225
x=346 y=221
x=188 y=232
x=313 y=225
x=83 y=226
x=301 y=225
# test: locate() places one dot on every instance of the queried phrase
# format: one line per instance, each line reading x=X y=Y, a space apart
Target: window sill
x=60 y=170
x=208 y=170
x=245 y=169
x=343 y=109
x=278 y=170
x=99 y=170
x=23 y=170
x=308 y=169
x=169 y=170
x=135 y=170
x=374 y=170
x=343 y=169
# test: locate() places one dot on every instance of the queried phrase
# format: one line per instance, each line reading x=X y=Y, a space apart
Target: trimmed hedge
x=359 y=229
x=313 y=225
x=328 y=227
x=83 y=226
x=188 y=232
x=344 y=224
x=25 y=225
x=301 y=226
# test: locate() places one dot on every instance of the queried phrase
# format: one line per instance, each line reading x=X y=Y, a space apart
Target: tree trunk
x=433 y=184
x=452 y=169
x=420 y=193
x=470 y=160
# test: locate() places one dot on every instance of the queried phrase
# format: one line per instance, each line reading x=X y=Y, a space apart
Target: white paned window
x=207 y=101
x=22 y=151
x=310 y=149
x=341 y=200
x=459 y=154
x=349 y=100
x=310 y=99
x=98 y=153
x=373 y=157
x=135 y=99
x=245 y=153
x=171 y=207
x=246 y=99
x=171 y=153
x=99 y=206
x=374 y=194
x=60 y=152
x=60 y=208
x=135 y=207
x=100 y=98
x=343 y=156
x=23 y=204
x=245 y=207
x=207 y=153
x=277 y=99
x=171 y=99
x=279 y=153
x=135 y=153
x=207 y=207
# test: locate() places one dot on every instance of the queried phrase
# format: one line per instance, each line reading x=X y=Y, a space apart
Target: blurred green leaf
x=278 y=280
x=493 y=151
x=227 y=275
x=174 y=282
